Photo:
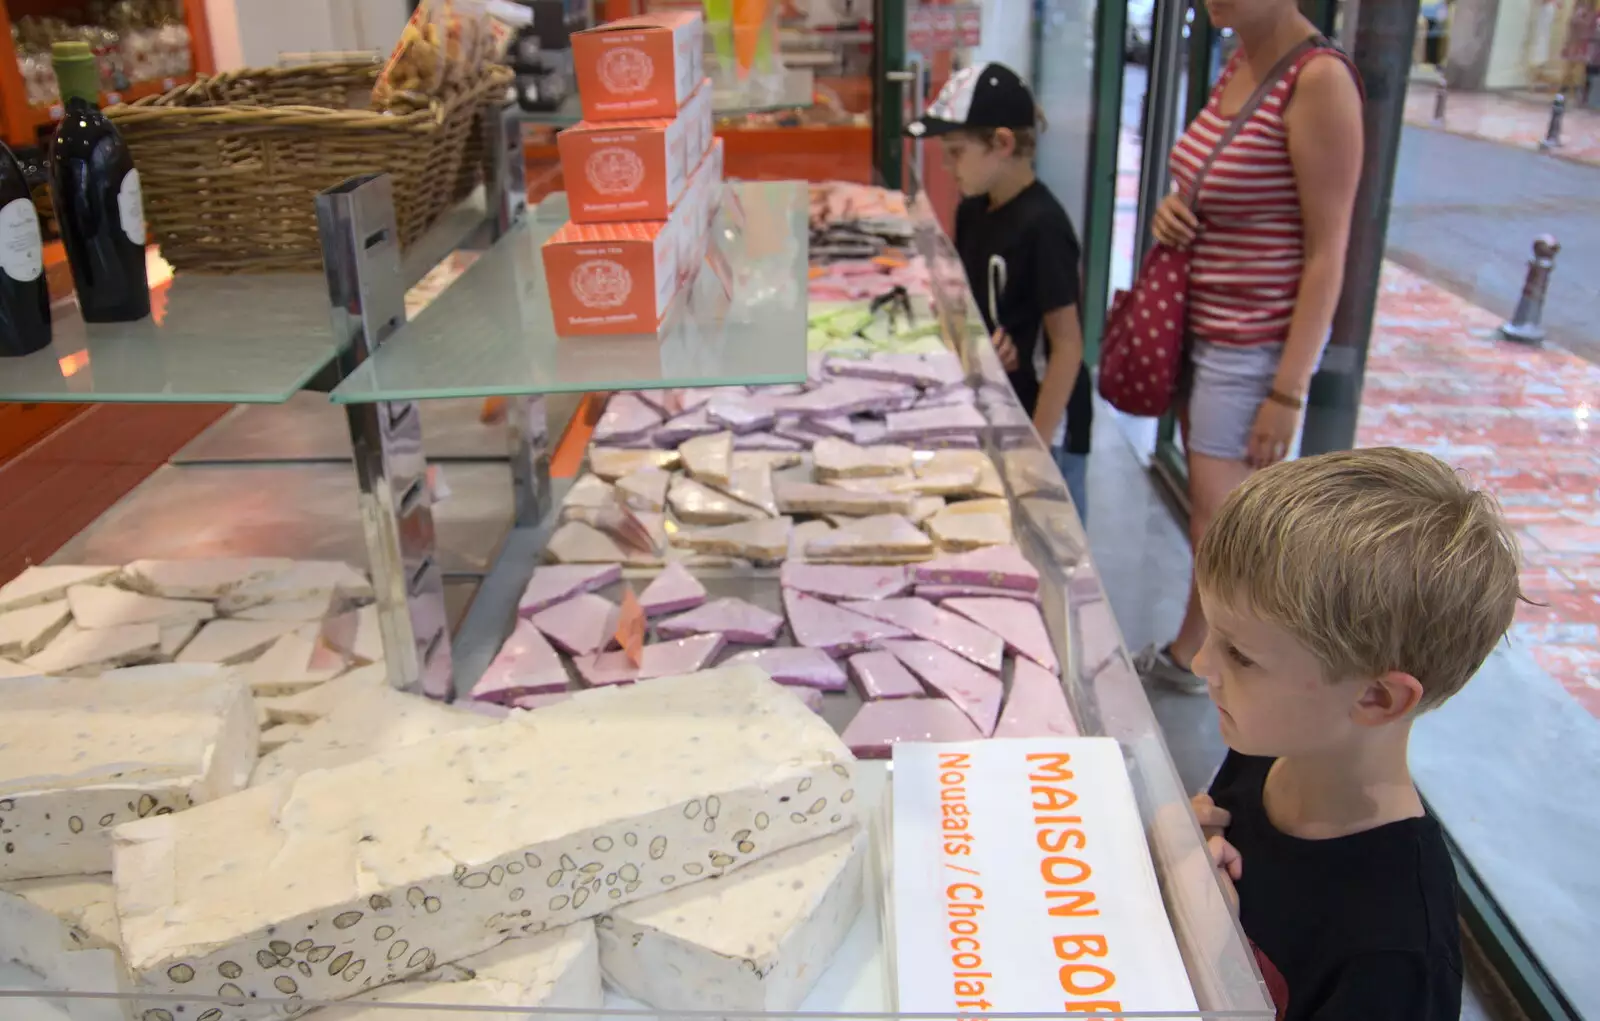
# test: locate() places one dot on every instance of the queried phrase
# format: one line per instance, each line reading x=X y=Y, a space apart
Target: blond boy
x=1346 y=594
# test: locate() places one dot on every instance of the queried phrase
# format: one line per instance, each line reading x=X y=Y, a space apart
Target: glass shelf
x=239 y=339
x=794 y=92
x=491 y=333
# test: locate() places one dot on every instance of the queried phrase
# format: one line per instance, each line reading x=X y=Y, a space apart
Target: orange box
x=646 y=66
x=633 y=170
x=612 y=277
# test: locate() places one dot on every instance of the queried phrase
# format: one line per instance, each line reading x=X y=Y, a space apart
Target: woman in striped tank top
x=1268 y=233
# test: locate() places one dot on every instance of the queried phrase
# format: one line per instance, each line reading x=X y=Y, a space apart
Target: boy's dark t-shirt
x=1357 y=928
x=1034 y=236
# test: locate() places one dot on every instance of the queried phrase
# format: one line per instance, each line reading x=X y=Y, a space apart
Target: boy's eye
x=1239 y=657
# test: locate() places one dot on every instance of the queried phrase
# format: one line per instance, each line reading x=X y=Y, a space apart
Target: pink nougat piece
x=663 y=659
x=880 y=675
x=557 y=582
x=927 y=621
x=579 y=626
x=740 y=622
x=845 y=581
x=834 y=630
x=993 y=566
x=976 y=691
x=939 y=593
x=673 y=591
x=525 y=665
x=1018 y=623
x=795 y=666
x=626 y=418
x=1037 y=706
x=879 y=726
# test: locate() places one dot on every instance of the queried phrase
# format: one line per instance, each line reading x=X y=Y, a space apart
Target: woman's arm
x=1325 y=147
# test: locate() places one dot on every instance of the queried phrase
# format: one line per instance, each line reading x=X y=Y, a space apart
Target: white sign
x=1022 y=883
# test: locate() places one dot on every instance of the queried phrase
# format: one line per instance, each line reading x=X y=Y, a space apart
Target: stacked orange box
x=643 y=176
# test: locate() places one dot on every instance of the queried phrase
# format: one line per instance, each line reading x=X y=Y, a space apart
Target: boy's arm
x=1065 y=336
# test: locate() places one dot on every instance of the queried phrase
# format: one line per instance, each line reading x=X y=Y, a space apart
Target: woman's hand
x=1270 y=436
x=1175 y=223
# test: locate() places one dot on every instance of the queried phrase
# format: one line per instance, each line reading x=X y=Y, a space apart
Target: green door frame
x=1100 y=200
x=888 y=93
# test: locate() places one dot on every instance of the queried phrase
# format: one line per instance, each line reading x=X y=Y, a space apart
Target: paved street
x=1466 y=213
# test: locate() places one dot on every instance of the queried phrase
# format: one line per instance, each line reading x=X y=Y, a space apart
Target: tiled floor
x=1513 y=120
x=1523 y=422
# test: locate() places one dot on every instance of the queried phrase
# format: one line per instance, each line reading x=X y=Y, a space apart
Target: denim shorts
x=1224 y=386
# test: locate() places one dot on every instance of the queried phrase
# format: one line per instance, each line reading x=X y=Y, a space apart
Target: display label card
x=1022 y=883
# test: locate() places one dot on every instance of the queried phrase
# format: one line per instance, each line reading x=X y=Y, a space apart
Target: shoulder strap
x=1267 y=84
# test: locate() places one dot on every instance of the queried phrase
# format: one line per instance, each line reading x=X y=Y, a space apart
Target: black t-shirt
x=1357 y=928
x=1034 y=236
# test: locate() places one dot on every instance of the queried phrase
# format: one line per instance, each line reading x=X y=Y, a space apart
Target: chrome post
x=1527 y=323
x=361 y=259
x=530 y=460
x=1558 y=113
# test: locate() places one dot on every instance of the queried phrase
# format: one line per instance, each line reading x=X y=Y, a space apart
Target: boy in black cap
x=1016 y=241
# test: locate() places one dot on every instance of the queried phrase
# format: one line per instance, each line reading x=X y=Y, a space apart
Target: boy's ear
x=1387 y=699
x=1005 y=141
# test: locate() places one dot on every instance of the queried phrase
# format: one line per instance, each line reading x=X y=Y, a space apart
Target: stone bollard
x=1441 y=96
x=1558 y=112
x=1526 y=325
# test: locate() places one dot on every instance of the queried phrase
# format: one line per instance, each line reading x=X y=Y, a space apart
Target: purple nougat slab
x=525 y=665
x=580 y=626
x=845 y=581
x=673 y=591
x=626 y=418
x=663 y=659
x=868 y=431
x=740 y=412
x=793 y=665
x=836 y=631
x=993 y=566
x=928 y=621
x=683 y=428
x=832 y=425
x=550 y=585
x=879 y=726
x=880 y=675
x=1018 y=623
x=843 y=397
x=811 y=698
x=914 y=426
x=1037 y=706
x=977 y=692
x=739 y=622
x=939 y=593
x=940 y=369
x=766 y=441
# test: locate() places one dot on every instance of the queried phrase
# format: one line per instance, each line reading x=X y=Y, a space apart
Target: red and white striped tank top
x=1247 y=261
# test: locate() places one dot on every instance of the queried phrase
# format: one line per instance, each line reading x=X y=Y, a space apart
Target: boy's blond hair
x=1375 y=560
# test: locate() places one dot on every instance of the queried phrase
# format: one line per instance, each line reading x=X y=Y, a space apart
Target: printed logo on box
x=602 y=283
x=614 y=171
x=626 y=69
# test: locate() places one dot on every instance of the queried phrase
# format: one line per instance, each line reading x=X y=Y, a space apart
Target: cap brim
x=931 y=127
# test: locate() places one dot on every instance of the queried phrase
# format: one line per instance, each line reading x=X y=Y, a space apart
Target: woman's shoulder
x=1326 y=75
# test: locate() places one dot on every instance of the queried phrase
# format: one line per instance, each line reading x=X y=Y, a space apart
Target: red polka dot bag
x=1142 y=349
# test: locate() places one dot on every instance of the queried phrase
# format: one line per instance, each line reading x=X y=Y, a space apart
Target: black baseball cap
x=991 y=96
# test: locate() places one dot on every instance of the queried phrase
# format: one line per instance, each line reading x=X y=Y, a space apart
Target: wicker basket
x=231 y=165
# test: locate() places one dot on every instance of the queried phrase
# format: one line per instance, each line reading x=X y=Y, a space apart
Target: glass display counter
x=342 y=832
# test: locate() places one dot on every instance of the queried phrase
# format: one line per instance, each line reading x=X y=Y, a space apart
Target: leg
x=1075 y=470
x=1211 y=479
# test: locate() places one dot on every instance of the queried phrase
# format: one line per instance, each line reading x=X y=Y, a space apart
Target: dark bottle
x=24 y=291
x=95 y=189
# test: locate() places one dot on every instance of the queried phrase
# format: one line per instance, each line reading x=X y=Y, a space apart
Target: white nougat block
x=47 y=584
x=464 y=840
x=27 y=631
x=315 y=703
x=559 y=968
x=365 y=724
x=303 y=580
x=64 y=930
x=80 y=755
x=755 y=941
x=202 y=578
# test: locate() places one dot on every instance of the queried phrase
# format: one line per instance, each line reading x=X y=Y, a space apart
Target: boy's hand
x=1213 y=820
x=1228 y=861
x=1174 y=223
x=1006 y=350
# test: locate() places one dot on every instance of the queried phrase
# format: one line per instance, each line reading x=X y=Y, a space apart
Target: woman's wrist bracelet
x=1289 y=401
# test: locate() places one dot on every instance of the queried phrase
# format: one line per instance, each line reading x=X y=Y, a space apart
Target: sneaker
x=1156 y=666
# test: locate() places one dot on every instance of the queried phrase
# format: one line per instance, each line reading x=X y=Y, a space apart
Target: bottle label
x=130 y=207
x=21 y=245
